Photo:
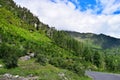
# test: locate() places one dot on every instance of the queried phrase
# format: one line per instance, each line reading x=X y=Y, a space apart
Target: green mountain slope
x=17 y=38
x=15 y=35
x=100 y=41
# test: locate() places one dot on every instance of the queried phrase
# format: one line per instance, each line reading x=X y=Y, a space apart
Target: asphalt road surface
x=102 y=75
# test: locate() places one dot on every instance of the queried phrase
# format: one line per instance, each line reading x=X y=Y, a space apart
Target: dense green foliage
x=9 y=55
x=42 y=59
x=107 y=50
x=84 y=53
x=65 y=41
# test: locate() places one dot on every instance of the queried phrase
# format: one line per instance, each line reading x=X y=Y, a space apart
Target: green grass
x=14 y=29
x=48 y=72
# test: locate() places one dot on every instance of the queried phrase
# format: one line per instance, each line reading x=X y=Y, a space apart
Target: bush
x=56 y=61
x=11 y=61
x=42 y=59
x=9 y=55
x=78 y=69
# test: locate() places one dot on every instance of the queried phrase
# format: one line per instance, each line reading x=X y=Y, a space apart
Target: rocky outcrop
x=8 y=76
x=27 y=57
x=24 y=58
x=62 y=76
x=31 y=54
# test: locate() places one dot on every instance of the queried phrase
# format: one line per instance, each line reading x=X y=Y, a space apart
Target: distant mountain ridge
x=101 y=40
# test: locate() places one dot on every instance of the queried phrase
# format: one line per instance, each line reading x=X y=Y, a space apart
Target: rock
x=61 y=74
x=24 y=58
x=1 y=65
x=65 y=78
x=31 y=75
x=35 y=25
x=17 y=76
x=7 y=75
x=32 y=78
x=28 y=56
x=31 y=30
x=32 y=54
x=0 y=41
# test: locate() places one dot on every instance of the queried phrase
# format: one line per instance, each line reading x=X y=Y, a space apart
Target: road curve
x=102 y=75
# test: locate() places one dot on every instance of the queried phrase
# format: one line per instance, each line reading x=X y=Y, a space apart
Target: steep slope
x=17 y=38
x=100 y=41
x=13 y=34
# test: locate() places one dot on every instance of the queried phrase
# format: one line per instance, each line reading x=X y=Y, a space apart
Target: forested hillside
x=57 y=55
x=108 y=46
x=100 y=40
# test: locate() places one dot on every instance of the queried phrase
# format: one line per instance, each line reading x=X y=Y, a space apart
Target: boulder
x=1 y=65
x=7 y=75
x=32 y=54
x=16 y=76
x=24 y=58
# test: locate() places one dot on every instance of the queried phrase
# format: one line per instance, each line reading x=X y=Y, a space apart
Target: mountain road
x=102 y=76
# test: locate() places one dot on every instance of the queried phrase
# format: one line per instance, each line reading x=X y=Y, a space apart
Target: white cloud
x=65 y=16
x=110 y=6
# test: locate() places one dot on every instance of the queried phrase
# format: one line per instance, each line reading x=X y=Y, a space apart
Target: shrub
x=11 y=61
x=79 y=69
x=9 y=55
x=42 y=59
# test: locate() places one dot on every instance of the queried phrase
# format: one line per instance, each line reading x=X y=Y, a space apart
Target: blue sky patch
x=84 y=5
x=117 y=12
x=87 y=4
x=53 y=1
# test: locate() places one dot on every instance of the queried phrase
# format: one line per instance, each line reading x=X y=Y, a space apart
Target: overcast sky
x=96 y=16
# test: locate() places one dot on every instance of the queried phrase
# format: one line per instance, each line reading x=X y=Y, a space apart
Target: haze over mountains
x=100 y=40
